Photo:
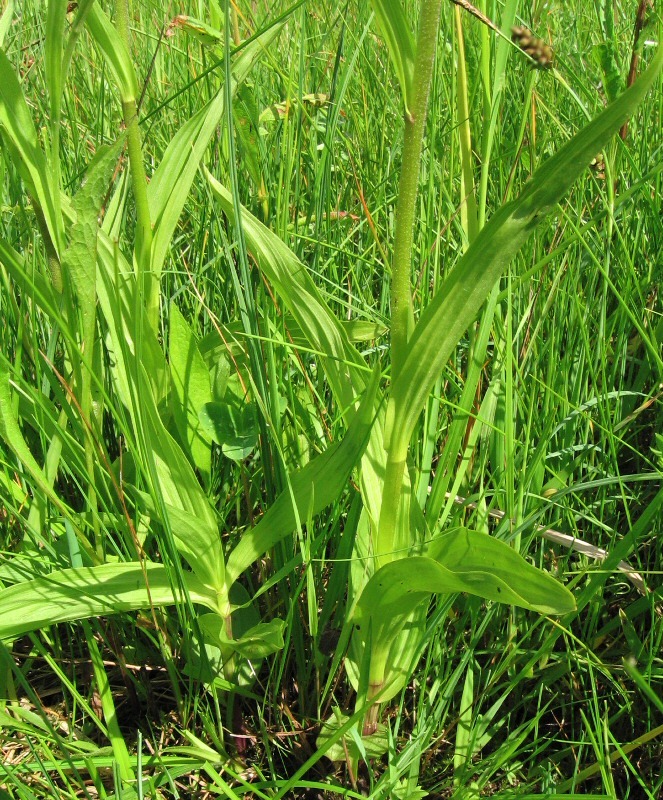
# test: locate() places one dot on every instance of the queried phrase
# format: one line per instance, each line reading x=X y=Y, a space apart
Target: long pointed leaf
x=20 y=137
x=72 y=594
x=171 y=181
x=395 y=28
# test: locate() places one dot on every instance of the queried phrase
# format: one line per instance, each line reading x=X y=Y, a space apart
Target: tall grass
x=546 y=410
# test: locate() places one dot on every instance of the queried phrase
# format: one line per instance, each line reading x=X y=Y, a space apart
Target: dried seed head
x=540 y=52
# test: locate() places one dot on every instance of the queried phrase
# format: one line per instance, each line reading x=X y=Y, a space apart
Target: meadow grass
x=547 y=411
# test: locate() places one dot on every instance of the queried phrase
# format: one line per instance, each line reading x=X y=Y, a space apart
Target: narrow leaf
x=72 y=594
x=6 y=20
x=171 y=181
x=116 y=55
x=396 y=30
x=20 y=137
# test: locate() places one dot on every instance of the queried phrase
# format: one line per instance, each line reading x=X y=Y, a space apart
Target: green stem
x=401 y=307
x=401 y=295
x=148 y=284
x=415 y=123
x=468 y=208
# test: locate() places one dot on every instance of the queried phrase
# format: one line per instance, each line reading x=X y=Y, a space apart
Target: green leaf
x=373 y=746
x=191 y=390
x=20 y=138
x=53 y=46
x=80 y=258
x=31 y=282
x=179 y=487
x=258 y=642
x=396 y=30
x=6 y=20
x=233 y=427
x=128 y=330
x=311 y=489
x=295 y=286
x=195 y=539
x=72 y=594
x=460 y=560
x=343 y=365
x=116 y=55
x=10 y=431
x=462 y=294
x=608 y=51
x=169 y=186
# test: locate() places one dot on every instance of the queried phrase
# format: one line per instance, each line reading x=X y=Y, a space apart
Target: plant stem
x=401 y=302
x=401 y=296
x=147 y=282
x=415 y=123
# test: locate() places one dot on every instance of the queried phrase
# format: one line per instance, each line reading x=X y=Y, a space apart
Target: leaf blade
x=73 y=594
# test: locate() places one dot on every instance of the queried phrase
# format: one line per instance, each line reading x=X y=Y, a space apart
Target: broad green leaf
x=342 y=363
x=195 y=540
x=72 y=594
x=397 y=33
x=462 y=294
x=311 y=489
x=179 y=487
x=401 y=650
x=190 y=380
x=116 y=293
x=20 y=138
x=258 y=642
x=295 y=286
x=460 y=560
x=141 y=387
x=234 y=428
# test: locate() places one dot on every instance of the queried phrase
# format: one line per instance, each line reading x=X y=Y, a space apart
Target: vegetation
x=329 y=387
